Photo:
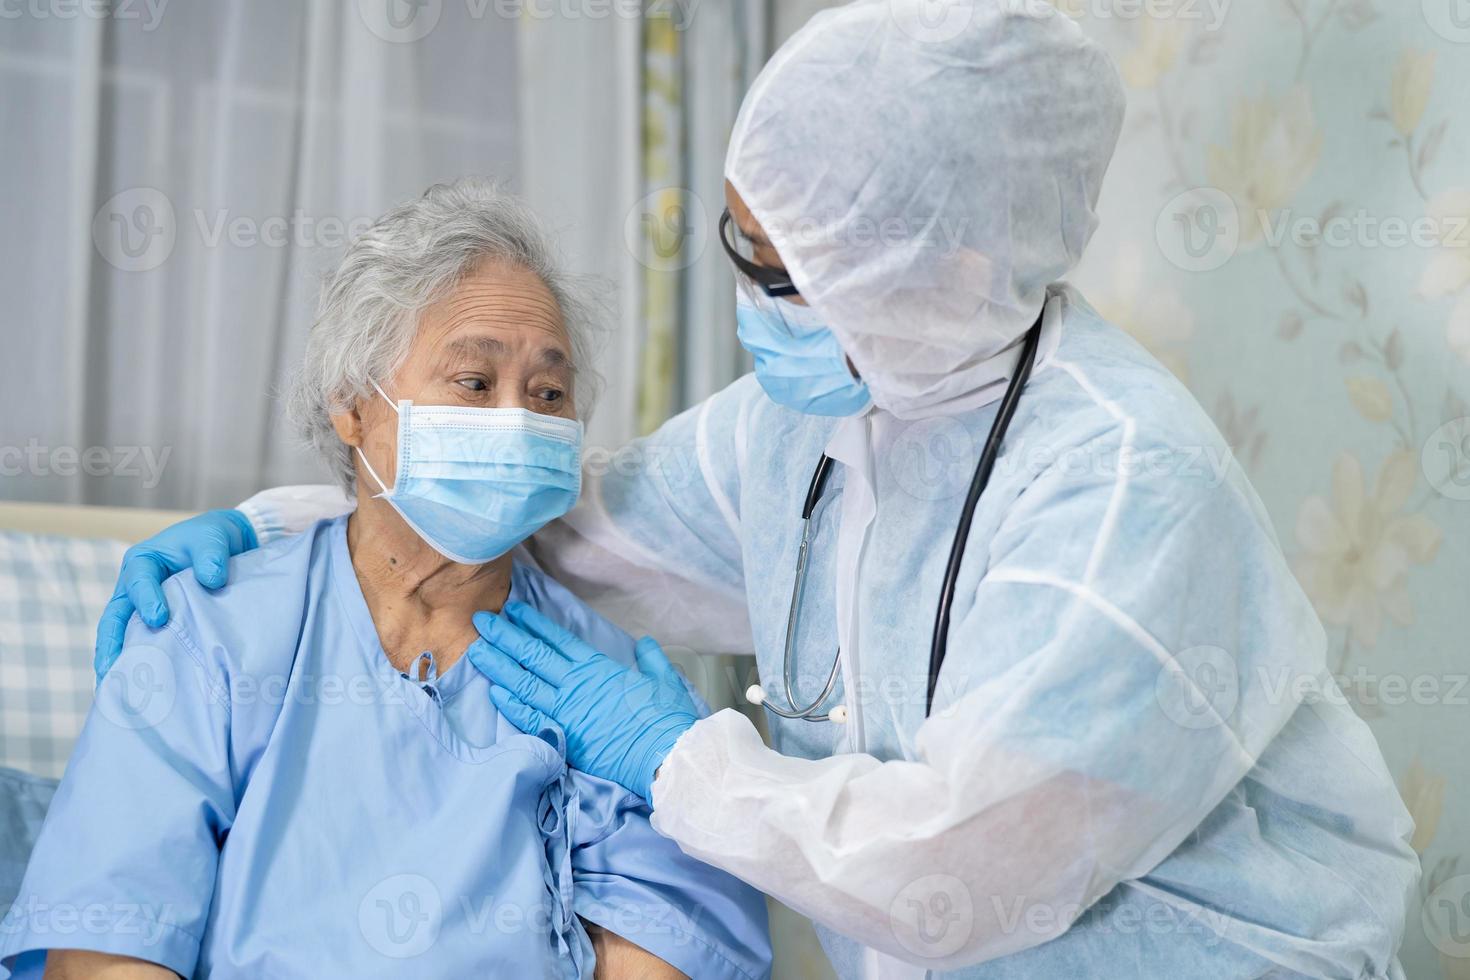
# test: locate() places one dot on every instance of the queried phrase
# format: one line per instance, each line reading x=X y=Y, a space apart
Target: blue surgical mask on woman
x=798 y=360
x=475 y=482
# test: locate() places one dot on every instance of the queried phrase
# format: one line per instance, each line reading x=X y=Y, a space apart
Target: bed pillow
x=52 y=591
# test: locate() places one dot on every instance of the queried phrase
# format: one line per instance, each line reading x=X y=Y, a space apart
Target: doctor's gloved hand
x=619 y=723
x=204 y=543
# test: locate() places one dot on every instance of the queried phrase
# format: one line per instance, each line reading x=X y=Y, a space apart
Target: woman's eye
x=475 y=384
x=550 y=395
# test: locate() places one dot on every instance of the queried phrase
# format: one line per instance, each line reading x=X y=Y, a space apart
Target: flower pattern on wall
x=1333 y=360
x=1358 y=547
x=1274 y=148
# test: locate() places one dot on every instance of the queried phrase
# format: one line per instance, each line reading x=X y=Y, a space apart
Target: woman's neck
x=419 y=600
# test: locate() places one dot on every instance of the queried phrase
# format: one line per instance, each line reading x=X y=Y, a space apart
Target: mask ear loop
x=391 y=403
x=363 y=456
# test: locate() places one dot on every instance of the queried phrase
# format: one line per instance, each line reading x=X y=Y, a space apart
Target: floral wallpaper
x=1287 y=227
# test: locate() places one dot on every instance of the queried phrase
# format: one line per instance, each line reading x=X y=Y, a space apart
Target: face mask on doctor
x=798 y=361
x=476 y=482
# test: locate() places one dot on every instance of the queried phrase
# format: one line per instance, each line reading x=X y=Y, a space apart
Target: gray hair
x=409 y=259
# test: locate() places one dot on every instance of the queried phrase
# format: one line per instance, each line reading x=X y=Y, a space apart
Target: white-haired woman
x=301 y=775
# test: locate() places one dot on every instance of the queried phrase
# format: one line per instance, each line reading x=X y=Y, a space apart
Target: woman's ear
x=349 y=426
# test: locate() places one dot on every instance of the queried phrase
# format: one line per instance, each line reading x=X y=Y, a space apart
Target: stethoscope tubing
x=939 y=642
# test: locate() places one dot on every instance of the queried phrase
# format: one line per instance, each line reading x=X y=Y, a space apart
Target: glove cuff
x=657 y=746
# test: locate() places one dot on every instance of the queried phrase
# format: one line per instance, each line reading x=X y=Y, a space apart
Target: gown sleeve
x=1131 y=649
x=633 y=881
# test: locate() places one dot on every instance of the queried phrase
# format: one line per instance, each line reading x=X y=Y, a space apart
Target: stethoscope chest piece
x=756 y=694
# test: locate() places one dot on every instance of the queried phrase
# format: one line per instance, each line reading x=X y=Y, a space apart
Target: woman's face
x=497 y=341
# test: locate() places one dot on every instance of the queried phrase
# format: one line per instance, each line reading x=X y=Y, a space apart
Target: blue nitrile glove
x=204 y=542
x=619 y=723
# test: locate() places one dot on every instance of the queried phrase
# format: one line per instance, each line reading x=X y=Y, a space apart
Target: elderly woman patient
x=302 y=774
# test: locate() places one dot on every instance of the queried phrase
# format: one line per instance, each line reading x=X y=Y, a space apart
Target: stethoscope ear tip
x=755 y=694
x=838 y=714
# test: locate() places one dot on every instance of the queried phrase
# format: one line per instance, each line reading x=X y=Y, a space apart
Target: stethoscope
x=940 y=640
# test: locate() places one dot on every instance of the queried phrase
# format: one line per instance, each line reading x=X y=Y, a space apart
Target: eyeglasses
x=775 y=282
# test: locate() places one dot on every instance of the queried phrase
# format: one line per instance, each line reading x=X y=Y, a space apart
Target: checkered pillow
x=52 y=591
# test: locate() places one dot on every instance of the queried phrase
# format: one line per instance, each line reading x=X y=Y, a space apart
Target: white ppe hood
x=926 y=173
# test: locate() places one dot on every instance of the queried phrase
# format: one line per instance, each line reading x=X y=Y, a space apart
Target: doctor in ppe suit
x=1136 y=762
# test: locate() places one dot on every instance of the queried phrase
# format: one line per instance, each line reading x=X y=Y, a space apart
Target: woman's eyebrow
x=488 y=347
x=492 y=348
x=553 y=357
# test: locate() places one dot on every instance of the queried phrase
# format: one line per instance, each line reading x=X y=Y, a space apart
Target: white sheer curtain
x=579 y=88
x=171 y=188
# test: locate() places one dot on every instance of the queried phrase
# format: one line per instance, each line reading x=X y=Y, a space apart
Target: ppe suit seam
x=1120 y=483
x=1146 y=640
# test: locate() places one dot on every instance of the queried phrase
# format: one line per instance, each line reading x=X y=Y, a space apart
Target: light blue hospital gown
x=258 y=793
